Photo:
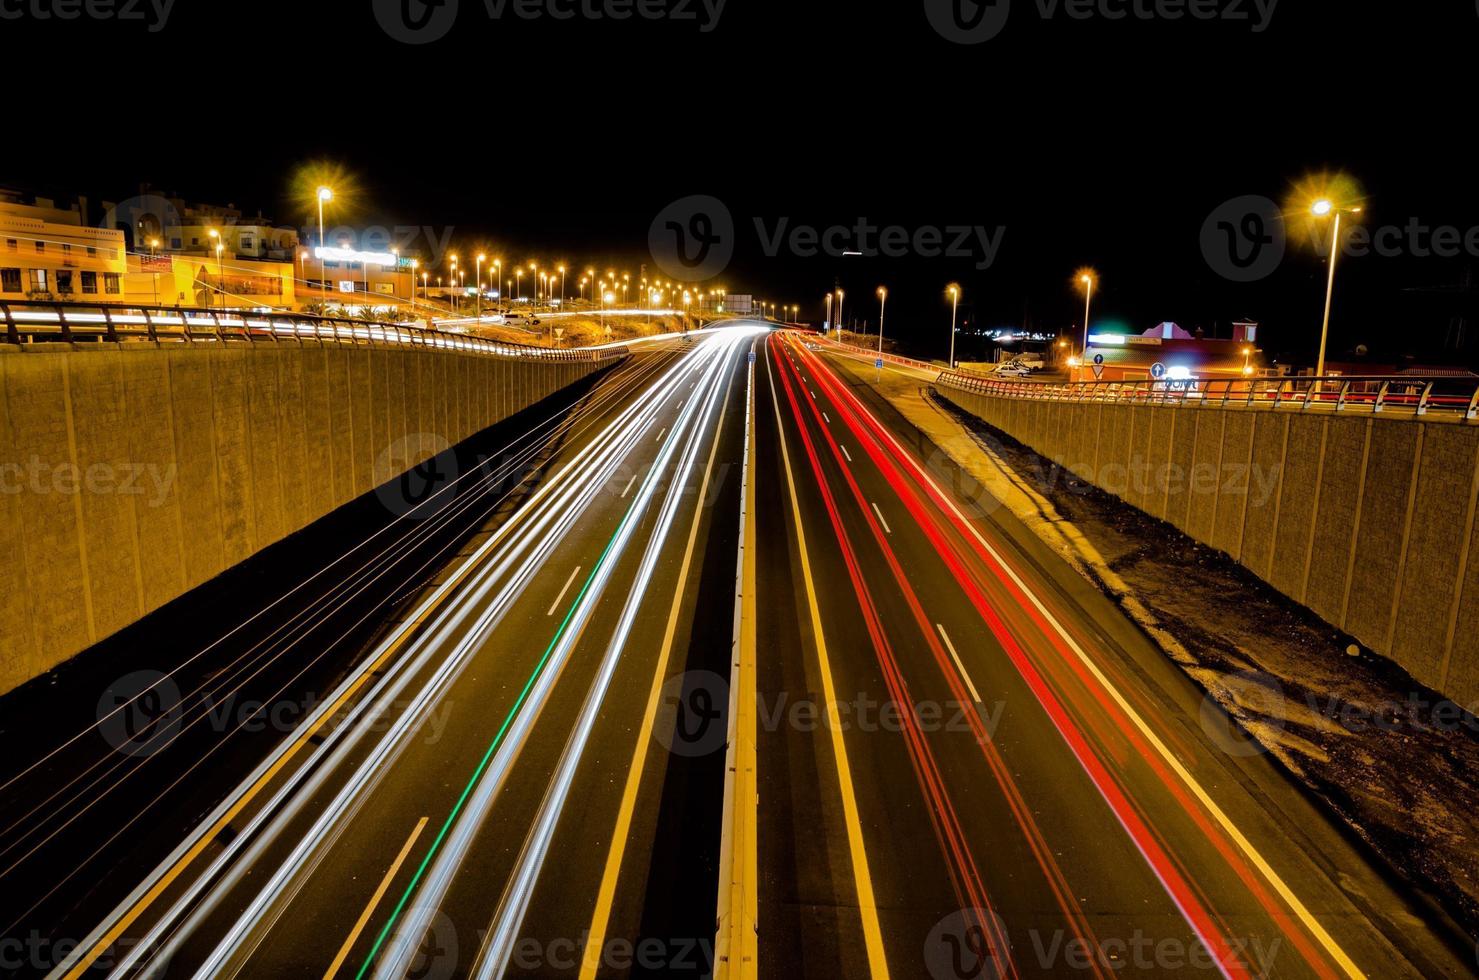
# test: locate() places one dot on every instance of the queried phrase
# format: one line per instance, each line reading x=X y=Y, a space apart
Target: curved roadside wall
x=132 y=472
x=1364 y=519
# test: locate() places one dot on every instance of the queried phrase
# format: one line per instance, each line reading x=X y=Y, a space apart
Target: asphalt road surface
x=483 y=725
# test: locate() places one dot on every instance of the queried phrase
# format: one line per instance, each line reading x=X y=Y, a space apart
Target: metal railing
x=872 y=354
x=1401 y=394
x=34 y=321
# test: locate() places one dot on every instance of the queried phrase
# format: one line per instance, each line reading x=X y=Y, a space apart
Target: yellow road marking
x=364 y=918
x=738 y=947
x=605 y=895
x=862 y=879
x=566 y=588
x=408 y=629
x=186 y=859
x=1246 y=846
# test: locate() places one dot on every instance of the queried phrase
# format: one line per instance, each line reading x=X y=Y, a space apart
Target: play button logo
x=415 y=21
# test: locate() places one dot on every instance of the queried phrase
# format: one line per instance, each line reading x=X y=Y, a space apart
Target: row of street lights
x=952 y=291
x=1087 y=278
x=547 y=282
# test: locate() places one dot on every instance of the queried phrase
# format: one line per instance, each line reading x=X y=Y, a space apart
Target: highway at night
x=965 y=761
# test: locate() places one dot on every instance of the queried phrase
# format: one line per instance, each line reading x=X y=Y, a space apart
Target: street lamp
x=324 y=194
x=561 y=270
x=882 y=302
x=953 y=291
x=839 y=311
x=498 y=264
x=481 y=259
x=1322 y=208
x=154 y=248
x=1086 y=279
x=220 y=279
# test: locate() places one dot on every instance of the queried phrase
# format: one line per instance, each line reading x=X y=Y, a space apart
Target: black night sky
x=1080 y=142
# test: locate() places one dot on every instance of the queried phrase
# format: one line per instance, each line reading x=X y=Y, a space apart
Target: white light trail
x=517 y=894
x=400 y=952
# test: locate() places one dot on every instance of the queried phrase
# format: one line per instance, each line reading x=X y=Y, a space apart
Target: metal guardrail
x=1401 y=393
x=33 y=321
x=874 y=354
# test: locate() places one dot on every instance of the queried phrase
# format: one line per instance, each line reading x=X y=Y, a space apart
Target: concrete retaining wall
x=1366 y=520
x=131 y=473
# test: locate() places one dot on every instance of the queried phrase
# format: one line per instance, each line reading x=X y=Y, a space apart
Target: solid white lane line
x=556 y=604
x=845 y=452
x=959 y=666
x=881 y=520
x=628 y=487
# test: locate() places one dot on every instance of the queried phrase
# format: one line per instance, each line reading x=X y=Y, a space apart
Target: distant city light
x=352 y=255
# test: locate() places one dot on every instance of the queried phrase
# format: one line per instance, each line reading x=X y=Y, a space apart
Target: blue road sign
x=878 y=362
x=1157 y=370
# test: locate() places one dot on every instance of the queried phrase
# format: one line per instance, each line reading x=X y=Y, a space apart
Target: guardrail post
x=1381 y=397
x=1422 y=401
x=61 y=316
x=111 y=334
